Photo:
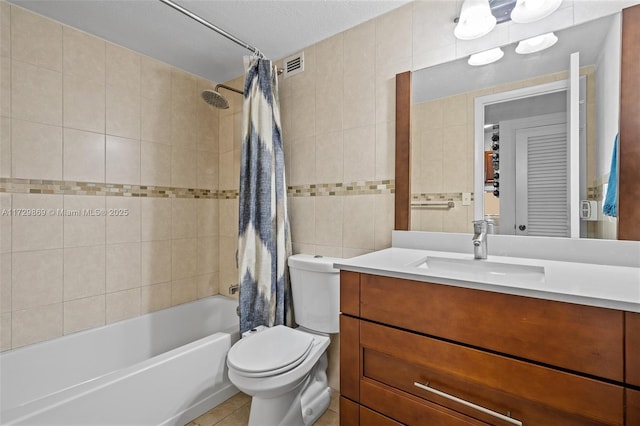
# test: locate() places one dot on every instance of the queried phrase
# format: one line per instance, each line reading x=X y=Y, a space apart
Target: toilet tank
x=315 y=285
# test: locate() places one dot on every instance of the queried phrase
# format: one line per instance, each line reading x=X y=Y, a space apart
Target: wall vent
x=294 y=65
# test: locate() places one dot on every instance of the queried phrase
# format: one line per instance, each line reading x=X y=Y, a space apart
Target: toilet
x=285 y=369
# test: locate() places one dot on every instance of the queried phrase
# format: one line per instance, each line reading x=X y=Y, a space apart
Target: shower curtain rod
x=213 y=27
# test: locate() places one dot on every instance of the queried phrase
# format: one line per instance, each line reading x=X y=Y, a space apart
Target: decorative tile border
x=350 y=188
x=438 y=196
x=44 y=186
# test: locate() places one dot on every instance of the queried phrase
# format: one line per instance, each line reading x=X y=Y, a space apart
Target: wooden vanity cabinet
x=632 y=349
x=429 y=354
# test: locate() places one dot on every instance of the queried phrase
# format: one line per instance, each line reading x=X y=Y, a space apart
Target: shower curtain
x=264 y=241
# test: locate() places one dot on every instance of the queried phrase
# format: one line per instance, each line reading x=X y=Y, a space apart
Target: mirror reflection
x=524 y=104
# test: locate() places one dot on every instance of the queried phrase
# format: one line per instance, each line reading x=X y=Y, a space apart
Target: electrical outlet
x=466 y=198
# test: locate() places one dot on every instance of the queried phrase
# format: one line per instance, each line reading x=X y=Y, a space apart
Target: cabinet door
x=371 y=418
x=349 y=412
x=632 y=348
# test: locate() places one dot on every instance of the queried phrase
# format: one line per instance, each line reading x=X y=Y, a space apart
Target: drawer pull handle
x=467 y=403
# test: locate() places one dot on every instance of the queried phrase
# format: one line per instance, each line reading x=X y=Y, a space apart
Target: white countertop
x=606 y=286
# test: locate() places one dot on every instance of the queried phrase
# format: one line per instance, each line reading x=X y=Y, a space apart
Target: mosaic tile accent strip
x=387 y=186
x=41 y=186
x=438 y=196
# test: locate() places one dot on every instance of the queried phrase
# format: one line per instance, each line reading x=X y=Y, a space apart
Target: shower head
x=214 y=98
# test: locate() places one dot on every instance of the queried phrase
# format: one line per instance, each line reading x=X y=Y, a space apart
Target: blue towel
x=610 y=207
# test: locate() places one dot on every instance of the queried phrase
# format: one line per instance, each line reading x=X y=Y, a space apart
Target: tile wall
x=108 y=182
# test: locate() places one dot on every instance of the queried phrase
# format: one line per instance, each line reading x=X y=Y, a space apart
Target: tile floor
x=235 y=412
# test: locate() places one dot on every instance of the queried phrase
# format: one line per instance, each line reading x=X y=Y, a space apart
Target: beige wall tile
x=35 y=39
x=457 y=219
x=225 y=173
x=83 y=156
x=122 y=305
x=303 y=114
x=123 y=267
x=359 y=220
x=84 y=104
x=329 y=157
x=184 y=127
x=36 y=324
x=5 y=86
x=123 y=112
x=5 y=224
x=359 y=154
x=183 y=258
x=207 y=176
x=5 y=29
x=155 y=168
x=123 y=220
x=329 y=251
x=303 y=161
x=36 y=94
x=394 y=34
x=302 y=217
x=155 y=219
x=36 y=150
x=83 y=56
x=455 y=173
x=329 y=214
x=208 y=285
x=122 y=160
x=84 y=313
x=228 y=270
x=156 y=262
x=348 y=252
x=183 y=172
x=89 y=227
x=385 y=151
x=208 y=255
x=36 y=278
x=184 y=218
x=5 y=283
x=84 y=272
x=155 y=79
x=156 y=119
x=226 y=133
x=184 y=290
x=5 y=147
x=433 y=26
x=5 y=331
x=155 y=297
x=123 y=69
x=384 y=220
x=207 y=212
x=37 y=232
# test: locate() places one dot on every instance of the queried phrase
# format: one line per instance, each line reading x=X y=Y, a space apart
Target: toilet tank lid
x=310 y=262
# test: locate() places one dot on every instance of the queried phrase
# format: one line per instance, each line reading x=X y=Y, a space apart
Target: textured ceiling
x=277 y=28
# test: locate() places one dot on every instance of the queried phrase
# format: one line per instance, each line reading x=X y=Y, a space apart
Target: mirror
x=445 y=158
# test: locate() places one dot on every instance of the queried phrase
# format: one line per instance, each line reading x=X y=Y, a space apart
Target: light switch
x=466 y=198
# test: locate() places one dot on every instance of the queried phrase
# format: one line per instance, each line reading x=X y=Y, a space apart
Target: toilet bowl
x=285 y=369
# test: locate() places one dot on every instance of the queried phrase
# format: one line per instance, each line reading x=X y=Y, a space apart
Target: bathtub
x=163 y=368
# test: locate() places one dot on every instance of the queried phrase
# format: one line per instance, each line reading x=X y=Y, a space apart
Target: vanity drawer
x=533 y=394
x=576 y=337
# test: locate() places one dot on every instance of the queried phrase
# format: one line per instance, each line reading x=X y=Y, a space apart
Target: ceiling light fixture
x=536 y=44
x=475 y=20
x=486 y=57
x=527 y=11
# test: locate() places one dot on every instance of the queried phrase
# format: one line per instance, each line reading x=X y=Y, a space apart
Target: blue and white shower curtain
x=264 y=241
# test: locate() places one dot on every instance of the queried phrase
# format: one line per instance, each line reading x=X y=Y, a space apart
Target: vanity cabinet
x=423 y=353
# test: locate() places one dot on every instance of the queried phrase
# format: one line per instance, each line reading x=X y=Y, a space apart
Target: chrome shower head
x=214 y=98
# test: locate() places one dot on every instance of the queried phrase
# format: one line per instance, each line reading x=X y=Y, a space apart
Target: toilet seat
x=270 y=352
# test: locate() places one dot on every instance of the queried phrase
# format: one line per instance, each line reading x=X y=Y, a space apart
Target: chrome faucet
x=479 y=239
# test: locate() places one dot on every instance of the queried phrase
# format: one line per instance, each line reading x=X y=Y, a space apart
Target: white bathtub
x=163 y=368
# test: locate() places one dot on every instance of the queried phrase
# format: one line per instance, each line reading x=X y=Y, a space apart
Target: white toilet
x=285 y=369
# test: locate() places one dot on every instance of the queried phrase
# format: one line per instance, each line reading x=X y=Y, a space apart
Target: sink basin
x=484 y=270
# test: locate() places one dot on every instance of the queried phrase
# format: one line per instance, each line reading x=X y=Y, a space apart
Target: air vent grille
x=294 y=65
